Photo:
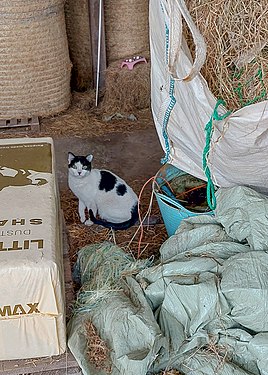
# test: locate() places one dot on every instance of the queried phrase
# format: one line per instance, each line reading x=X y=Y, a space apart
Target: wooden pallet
x=64 y=364
x=26 y=123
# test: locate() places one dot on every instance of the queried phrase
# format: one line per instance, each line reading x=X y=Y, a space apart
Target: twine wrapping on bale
x=34 y=60
x=126 y=28
x=78 y=32
x=126 y=90
x=236 y=35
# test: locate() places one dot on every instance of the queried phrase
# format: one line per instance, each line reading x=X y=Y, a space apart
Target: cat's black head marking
x=84 y=160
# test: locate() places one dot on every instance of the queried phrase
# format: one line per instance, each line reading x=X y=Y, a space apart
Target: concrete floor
x=134 y=155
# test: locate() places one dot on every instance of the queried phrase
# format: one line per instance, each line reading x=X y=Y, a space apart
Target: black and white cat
x=103 y=193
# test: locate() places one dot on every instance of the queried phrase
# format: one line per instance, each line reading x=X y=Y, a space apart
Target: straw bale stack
x=126 y=91
x=78 y=32
x=34 y=59
x=126 y=28
x=236 y=34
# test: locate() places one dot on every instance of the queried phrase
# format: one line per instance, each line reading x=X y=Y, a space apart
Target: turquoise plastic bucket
x=171 y=210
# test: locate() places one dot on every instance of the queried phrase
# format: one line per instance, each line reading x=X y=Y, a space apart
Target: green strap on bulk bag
x=211 y=199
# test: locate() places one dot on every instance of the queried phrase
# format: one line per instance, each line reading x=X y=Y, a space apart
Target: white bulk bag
x=182 y=105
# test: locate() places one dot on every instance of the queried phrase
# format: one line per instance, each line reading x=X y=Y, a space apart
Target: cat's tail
x=117 y=226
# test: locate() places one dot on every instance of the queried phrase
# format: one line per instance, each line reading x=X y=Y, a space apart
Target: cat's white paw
x=88 y=222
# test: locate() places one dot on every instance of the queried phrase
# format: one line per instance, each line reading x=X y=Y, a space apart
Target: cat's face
x=79 y=166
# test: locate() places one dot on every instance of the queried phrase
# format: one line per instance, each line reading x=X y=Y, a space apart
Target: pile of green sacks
x=202 y=308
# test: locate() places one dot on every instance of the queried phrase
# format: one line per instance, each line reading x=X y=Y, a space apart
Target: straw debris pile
x=82 y=119
x=236 y=35
x=126 y=91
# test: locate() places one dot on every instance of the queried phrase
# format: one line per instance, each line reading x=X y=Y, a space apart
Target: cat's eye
x=74 y=166
x=84 y=167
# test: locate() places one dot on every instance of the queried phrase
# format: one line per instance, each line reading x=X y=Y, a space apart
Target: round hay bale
x=126 y=91
x=126 y=28
x=236 y=35
x=78 y=32
x=34 y=59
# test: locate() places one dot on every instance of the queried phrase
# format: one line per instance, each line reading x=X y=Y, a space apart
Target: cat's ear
x=71 y=156
x=89 y=158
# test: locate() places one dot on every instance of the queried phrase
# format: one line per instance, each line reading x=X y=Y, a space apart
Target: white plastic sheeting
x=183 y=105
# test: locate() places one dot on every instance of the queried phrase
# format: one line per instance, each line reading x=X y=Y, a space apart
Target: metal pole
x=97 y=31
x=98 y=54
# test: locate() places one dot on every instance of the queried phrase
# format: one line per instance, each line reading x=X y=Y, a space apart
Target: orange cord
x=194 y=188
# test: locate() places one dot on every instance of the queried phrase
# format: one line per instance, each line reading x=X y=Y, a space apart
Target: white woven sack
x=182 y=105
